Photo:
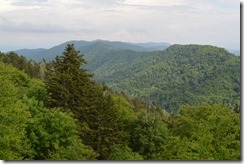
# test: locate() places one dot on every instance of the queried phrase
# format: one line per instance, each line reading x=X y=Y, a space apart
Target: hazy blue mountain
x=49 y=54
x=89 y=48
x=152 y=46
x=31 y=53
x=236 y=52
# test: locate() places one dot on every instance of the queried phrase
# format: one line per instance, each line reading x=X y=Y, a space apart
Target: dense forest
x=58 y=110
x=182 y=74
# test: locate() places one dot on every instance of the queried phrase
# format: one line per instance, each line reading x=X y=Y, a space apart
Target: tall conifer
x=70 y=87
x=68 y=84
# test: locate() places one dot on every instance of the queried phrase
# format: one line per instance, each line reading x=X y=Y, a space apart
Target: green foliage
x=14 y=115
x=148 y=135
x=181 y=74
x=28 y=130
x=122 y=152
x=124 y=108
x=13 y=121
x=53 y=135
x=71 y=117
x=30 y=67
x=207 y=132
x=37 y=90
x=75 y=151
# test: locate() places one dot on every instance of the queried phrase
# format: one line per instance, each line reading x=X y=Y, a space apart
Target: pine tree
x=70 y=87
x=67 y=83
x=105 y=126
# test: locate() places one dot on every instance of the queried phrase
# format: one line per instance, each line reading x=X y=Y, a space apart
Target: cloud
x=175 y=21
x=103 y=2
x=28 y=27
x=28 y=2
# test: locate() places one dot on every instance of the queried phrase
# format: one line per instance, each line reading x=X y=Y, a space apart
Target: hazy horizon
x=46 y=23
x=46 y=48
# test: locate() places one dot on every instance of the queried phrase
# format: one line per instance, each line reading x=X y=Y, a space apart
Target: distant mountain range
x=236 y=52
x=167 y=75
x=85 y=47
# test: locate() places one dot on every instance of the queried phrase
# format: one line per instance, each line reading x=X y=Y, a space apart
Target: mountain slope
x=182 y=74
x=31 y=53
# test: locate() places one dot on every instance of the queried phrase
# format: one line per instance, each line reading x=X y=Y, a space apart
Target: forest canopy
x=67 y=115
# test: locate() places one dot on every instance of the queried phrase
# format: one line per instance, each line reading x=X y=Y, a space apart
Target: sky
x=47 y=23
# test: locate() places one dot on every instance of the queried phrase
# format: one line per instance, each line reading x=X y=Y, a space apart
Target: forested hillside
x=28 y=66
x=66 y=115
x=180 y=74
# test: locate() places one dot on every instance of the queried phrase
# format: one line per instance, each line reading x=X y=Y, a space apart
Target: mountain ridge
x=51 y=53
x=182 y=74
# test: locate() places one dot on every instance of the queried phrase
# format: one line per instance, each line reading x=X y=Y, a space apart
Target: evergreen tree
x=69 y=87
x=104 y=126
x=67 y=83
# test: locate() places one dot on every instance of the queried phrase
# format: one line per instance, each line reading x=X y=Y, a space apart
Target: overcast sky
x=46 y=23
